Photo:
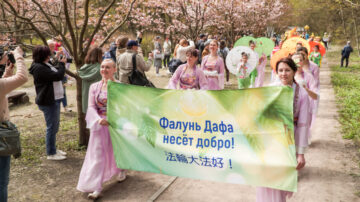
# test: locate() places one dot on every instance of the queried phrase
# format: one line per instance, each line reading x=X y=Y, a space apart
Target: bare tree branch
x=121 y=24
x=16 y=14
x=72 y=74
x=85 y=23
x=14 y=31
x=97 y=27
x=66 y=42
x=71 y=30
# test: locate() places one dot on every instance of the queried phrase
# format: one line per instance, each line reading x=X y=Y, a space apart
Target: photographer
x=9 y=60
x=8 y=83
x=54 y=59
x=49 y=92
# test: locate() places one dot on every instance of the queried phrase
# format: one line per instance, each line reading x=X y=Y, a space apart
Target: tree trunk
x=83 y=131
x=343 y=23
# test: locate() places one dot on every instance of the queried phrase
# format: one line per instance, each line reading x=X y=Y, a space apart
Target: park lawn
x=346 y=82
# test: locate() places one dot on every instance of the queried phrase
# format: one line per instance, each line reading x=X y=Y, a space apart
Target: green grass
x=346 y=82
x=32 y=129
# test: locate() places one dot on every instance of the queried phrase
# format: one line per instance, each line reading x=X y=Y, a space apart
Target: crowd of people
x=199 y=66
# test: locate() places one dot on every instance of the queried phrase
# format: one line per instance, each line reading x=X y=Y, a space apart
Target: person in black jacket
x=345 y=54
x=49 y=92
x=201 y=46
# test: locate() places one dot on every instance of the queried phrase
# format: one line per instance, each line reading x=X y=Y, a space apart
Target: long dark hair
x=289 y=62
x=94 y=56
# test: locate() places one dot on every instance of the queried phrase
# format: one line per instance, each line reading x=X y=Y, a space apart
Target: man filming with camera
x=54 y=59
x=7 y=62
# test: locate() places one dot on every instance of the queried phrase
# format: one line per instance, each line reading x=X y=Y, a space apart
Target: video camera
x=5 y=50
x=68 y=60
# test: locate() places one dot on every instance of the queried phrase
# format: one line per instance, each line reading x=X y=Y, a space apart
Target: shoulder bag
x=138 y=78
x=9 y=139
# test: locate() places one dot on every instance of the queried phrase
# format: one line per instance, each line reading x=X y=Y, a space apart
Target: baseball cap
x=131 y=43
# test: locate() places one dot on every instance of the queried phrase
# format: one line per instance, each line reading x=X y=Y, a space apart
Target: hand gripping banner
x=234 y=136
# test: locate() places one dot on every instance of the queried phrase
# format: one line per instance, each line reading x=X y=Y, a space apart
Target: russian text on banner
x=234 y=136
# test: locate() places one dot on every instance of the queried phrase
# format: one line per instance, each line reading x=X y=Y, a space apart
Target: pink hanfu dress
x=216 y=80
x=99 y=165
x=314 y=69
x=183 y=80
x=312 y=85
x=259 y=81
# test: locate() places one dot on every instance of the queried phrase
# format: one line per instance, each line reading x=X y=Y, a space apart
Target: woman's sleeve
x=92 y=75
x=203 y=61
x=203 y=83
x=48 y=75
x=221 y=73
x=302 y=133
x=175 y=78
x=313 y=85
x=92 y=116
x=191 y=46
x=11 y=83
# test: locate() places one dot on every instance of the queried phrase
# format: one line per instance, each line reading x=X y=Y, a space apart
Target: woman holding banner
x=187 y=76
x=213 y=67
x=99 y=164
x=285 y=69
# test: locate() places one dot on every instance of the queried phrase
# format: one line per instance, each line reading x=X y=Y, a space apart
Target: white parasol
x=234 y=57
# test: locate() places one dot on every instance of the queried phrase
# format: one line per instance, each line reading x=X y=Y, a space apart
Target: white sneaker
x=58 y=151
x=121 y=177
x=94 y=195
x=157 y=74
x=56 y=157
x=67 y=109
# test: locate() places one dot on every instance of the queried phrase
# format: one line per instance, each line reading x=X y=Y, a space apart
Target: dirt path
x=326 y=177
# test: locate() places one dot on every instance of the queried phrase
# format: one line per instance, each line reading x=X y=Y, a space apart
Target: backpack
x=138 y=78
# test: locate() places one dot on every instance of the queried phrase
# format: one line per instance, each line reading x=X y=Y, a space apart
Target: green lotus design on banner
x=235 y=136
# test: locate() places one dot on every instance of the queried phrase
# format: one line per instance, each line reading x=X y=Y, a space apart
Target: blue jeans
x=52 y=119
x=4 y=177
x=64 y=100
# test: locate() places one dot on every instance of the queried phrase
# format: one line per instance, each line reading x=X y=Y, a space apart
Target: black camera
x=10 y=56
x=2 y=70
x=11 y=59
x=68 y=60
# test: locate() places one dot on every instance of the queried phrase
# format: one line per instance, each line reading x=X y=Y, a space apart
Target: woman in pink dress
x=99 y=164
x=311 y=67
x=260 y=76
x=213 y=68
x=188 y=76
x=286 y=69
x=306 y=79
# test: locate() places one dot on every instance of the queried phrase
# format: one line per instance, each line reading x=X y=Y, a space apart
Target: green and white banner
x=234 y=136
